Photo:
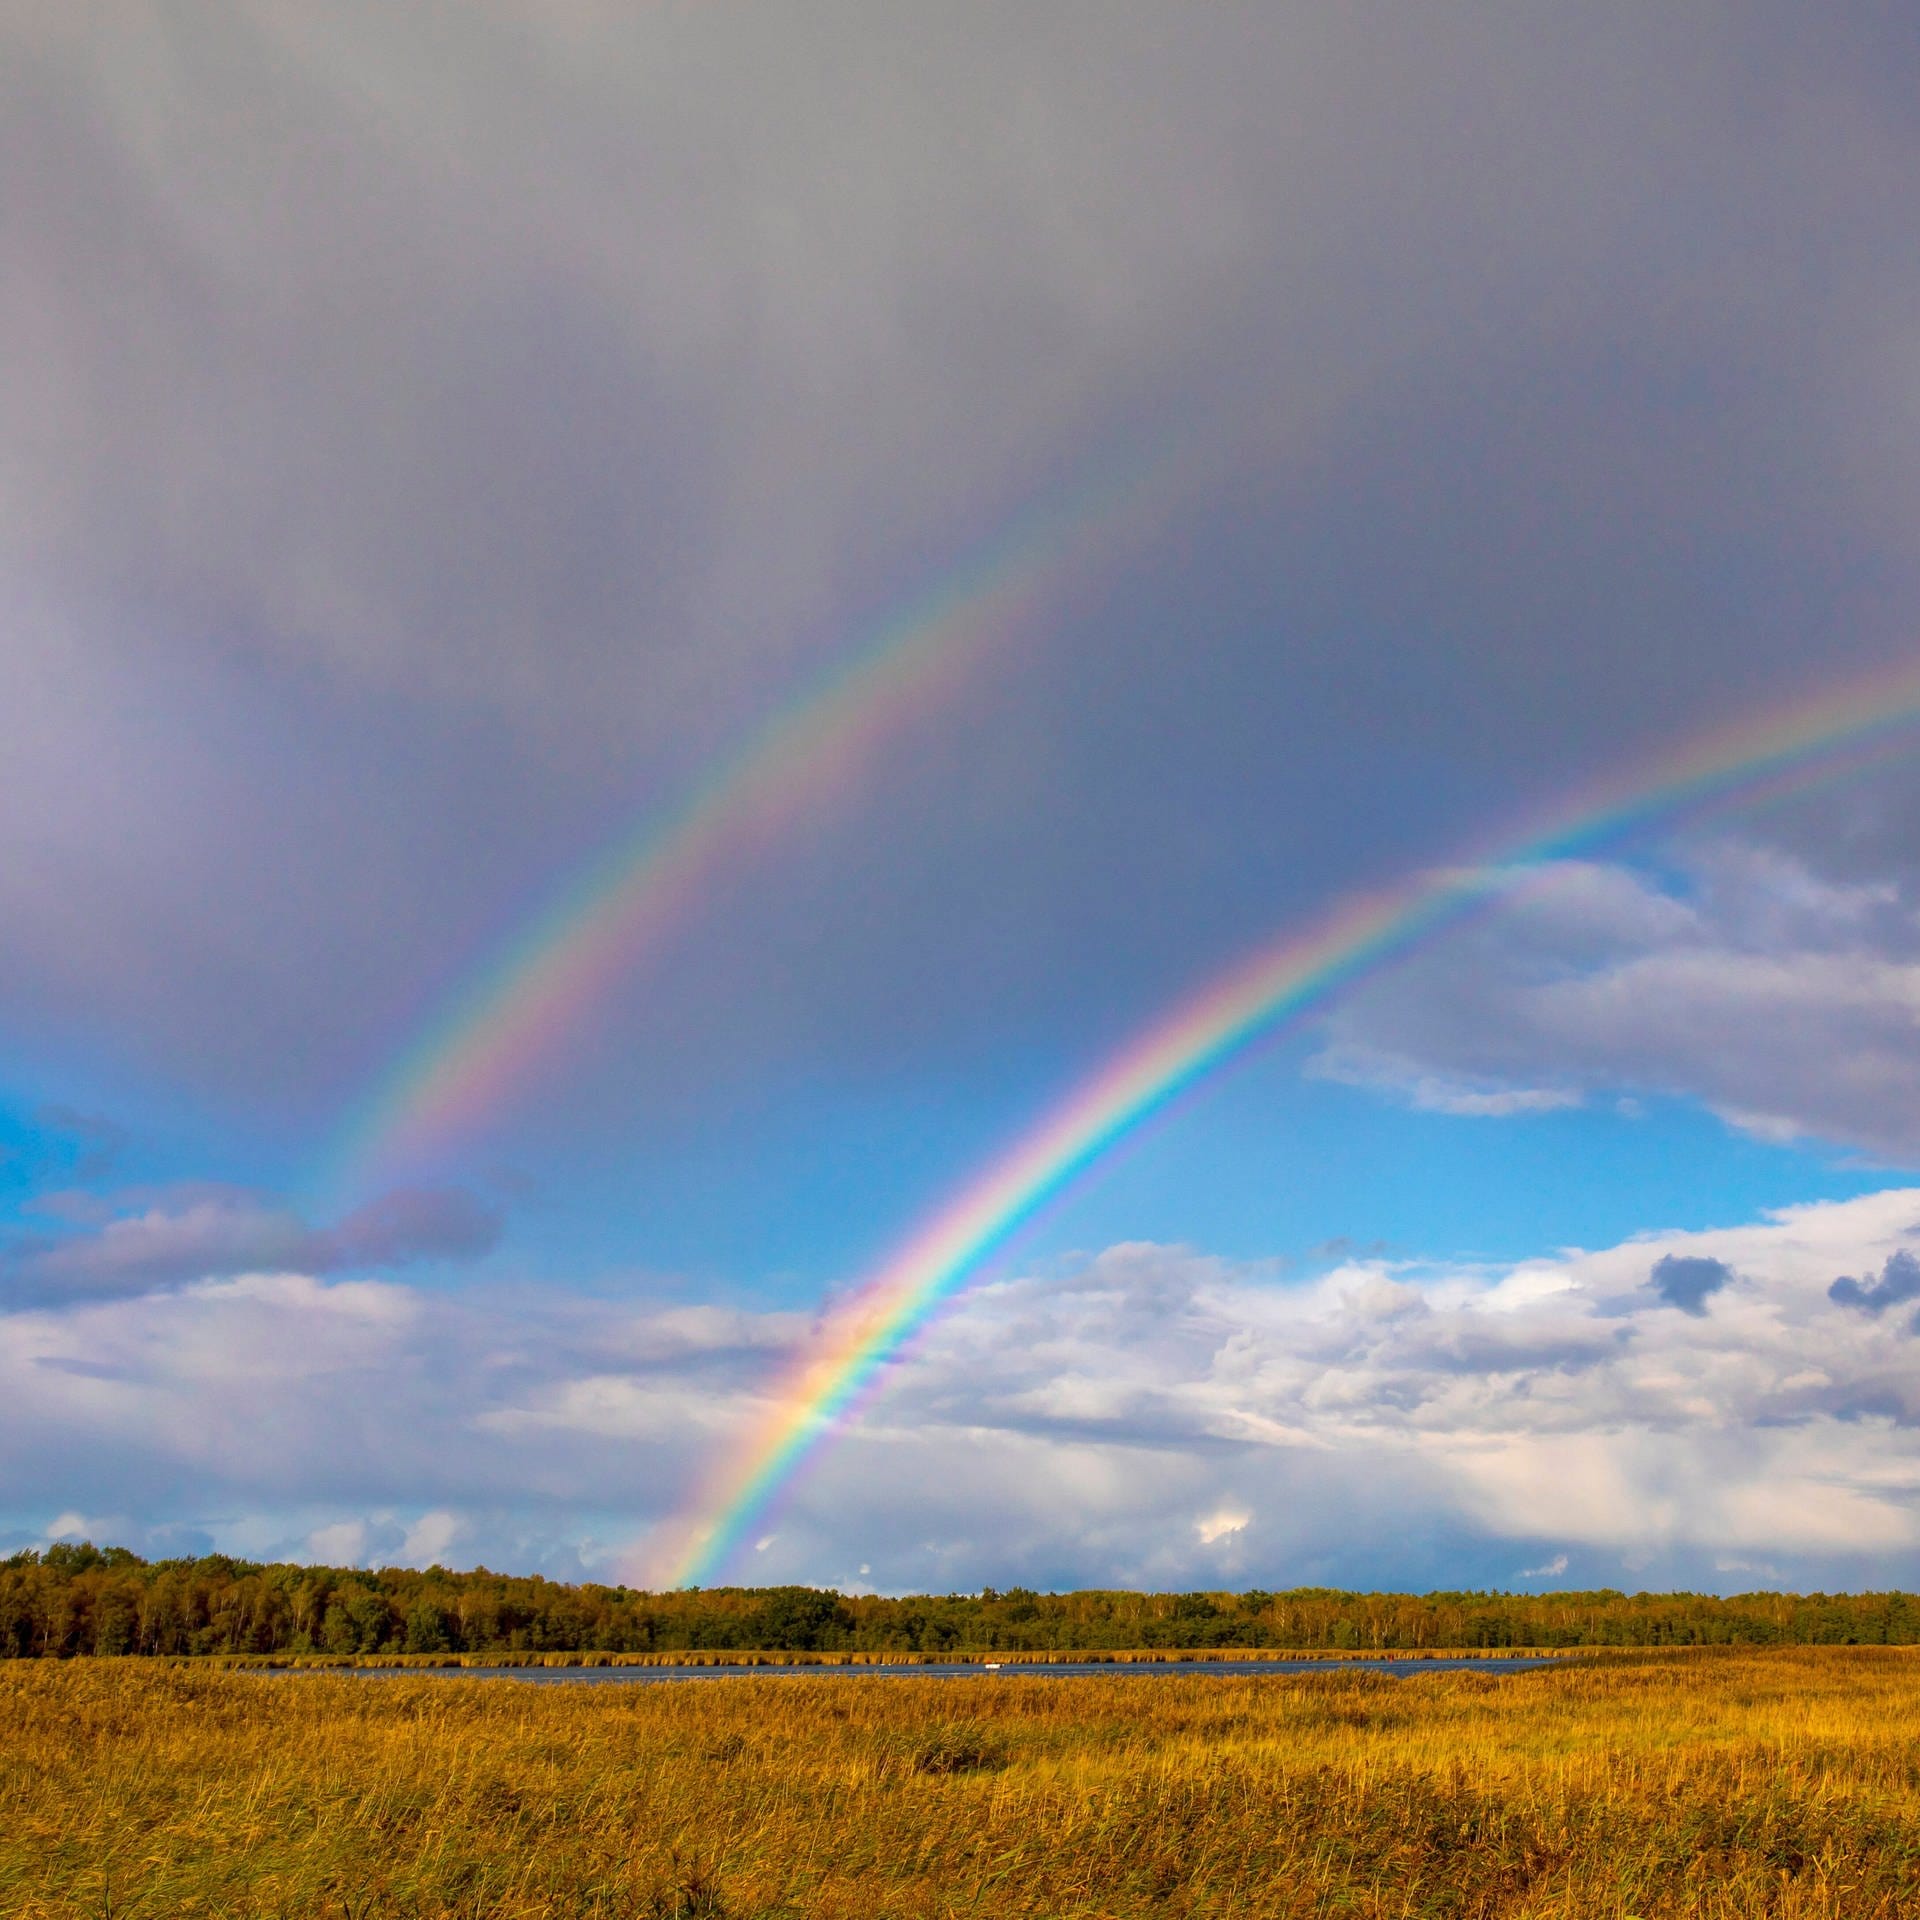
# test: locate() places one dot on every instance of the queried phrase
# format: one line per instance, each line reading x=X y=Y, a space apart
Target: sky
x=1009 y=511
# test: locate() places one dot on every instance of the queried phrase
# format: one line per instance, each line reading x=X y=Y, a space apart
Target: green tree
x=428 y=1628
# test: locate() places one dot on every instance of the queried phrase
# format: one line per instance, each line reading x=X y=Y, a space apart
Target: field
x=1724 y=1784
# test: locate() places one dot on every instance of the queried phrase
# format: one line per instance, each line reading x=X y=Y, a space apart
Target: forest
x=83 y=1599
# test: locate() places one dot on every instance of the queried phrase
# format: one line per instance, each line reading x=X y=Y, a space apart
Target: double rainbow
x=845 y=1363
x=491 y=1034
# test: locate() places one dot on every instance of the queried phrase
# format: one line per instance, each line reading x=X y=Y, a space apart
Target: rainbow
x=489 y=1036
x=844 y=1365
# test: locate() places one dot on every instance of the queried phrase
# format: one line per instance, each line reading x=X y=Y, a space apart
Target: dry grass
x=1725 y=1785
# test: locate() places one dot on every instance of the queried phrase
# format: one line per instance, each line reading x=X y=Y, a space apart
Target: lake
x=954 y=1670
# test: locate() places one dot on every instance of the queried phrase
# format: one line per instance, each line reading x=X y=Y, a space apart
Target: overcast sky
x=438 y=437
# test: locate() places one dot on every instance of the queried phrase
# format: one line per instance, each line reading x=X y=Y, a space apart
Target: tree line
x=84 y=1599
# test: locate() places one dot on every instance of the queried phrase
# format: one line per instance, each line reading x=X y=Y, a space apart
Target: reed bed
x=1782 y=1783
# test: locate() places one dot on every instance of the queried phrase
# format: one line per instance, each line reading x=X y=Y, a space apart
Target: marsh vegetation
x=1720 y=1784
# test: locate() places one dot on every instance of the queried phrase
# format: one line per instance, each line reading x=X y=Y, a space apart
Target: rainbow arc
x=490 y=1035
x=844 y=1366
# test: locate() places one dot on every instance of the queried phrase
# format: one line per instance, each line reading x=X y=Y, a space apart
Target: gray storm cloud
x=1898 y=1283
x=119 y=1249
x=434 y=445
x=1688 y=1281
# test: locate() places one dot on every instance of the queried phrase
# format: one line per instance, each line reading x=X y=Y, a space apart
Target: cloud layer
x=1151 y=1415
x=1785 y=1001
x=122 y=1246
x=439 y=445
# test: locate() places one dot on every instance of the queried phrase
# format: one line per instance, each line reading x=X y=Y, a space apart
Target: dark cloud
x=1344 y=1246
x=418 y=482
x=1899 y=1282
x=84 y=1369
x=96 y=1141
x=409 y=1224
x=1688 y=1281
x=204 y=1234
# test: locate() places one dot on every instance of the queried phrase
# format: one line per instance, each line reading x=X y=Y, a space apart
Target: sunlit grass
x=1724 y=1784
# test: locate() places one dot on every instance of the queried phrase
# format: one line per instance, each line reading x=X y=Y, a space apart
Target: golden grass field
x=1722 y=1784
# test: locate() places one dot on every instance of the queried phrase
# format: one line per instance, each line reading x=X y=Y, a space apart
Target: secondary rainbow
x=1362 y=931
x=490 y=1035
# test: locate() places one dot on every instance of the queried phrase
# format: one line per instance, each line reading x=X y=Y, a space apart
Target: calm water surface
x=938 y=1670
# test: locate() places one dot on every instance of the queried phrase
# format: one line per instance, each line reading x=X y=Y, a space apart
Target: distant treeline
x=85 y=1599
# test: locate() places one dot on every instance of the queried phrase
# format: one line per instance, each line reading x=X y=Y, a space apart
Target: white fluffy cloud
x=1361 y=1418
x=1790 y=1004
x=1151 y=1416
